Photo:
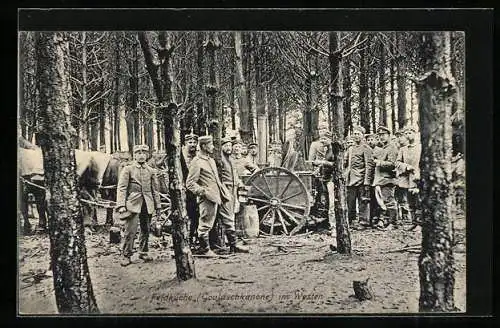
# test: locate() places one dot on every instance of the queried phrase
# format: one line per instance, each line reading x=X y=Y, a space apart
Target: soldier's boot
x=234 y=247
x=204 y=247
x=394 y=218
x=415 y=221
x=145 y=257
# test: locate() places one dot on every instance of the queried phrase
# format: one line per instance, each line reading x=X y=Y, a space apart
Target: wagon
x=283 y=198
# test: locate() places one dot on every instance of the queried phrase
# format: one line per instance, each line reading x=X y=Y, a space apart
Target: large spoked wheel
x=281 y=198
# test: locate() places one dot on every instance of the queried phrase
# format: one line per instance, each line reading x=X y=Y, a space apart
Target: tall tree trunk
x=373 y=110
x=200 y=86
x=241 y=92
x=22 y=74
x=401 y=80
x=260 y=101
x=102 y=117
x=364 y=113
x=169 y=113
x=342 y=224
x=248 y=54
x=393 y=93
x=116 y=96
x=184 y=259
x=281 y=117
x=435 y=91
x=84 y=99
x=215 y=119
x=346 y=85
x=272 y=109
x=382 y=87
x=72 y=283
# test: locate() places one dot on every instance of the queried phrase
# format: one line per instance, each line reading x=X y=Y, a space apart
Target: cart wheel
x=282 y=200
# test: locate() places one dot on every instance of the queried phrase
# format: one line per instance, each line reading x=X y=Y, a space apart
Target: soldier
x=319 y=148
x=318 y=152
x=253 y=152
x=188 y=153
x=137 y=193
x=358 y=172
x=384 y=179
x=372 y=142
x=203 y=181
x=402 y=181
x=230 y=180
x=412 y=159
x=244 y=149
x=242 y=163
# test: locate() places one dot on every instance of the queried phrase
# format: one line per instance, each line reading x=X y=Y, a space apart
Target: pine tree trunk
x=72 y=283
x=281 y=117
x=248 y=54
x=184 y=260
x=435 y=91
x=382 y=87
x=170 y=117
x=116 y=97
x=200 y=85
x=215 y=118
x=393 y=96
x=342 y=224
x=373 y=110
x=364 y=113
x=84 y=99
x=401 y=82
x=346 y=70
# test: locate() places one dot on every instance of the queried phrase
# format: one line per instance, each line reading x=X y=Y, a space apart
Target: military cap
x=359 y=128
x=191 y=136
x=253 y=143
x=141 y=147
x=399 y=132
x=370 y=135
x=410 y=128
x=205 y=139
x=225 y=140
x=382 y=129
x=236 y=141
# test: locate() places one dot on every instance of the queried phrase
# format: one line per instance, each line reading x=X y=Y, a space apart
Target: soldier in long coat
x=203 y=181
x=137 y=193
x=230 y=180
x=358 y=172
x=408 y=167
x=188 y=153
x=372 y=142
x=384 y=179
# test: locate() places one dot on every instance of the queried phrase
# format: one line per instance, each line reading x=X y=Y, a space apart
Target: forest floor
x=298 y=274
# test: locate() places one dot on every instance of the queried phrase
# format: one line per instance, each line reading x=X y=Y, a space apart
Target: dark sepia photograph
x=167 y=172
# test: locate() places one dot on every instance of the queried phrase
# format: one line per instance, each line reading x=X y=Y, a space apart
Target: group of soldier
x=381 y=175
x=209 y=195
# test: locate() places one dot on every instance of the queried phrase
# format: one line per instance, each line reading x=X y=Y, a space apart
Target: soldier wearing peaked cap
x=137 y=194
x=231 y=181
x=358 y=172
x=203 y=181
x=384 y=179
x=187 y=155
x=253 y=152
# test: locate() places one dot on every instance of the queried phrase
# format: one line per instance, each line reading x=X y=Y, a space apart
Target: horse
x=96 y=171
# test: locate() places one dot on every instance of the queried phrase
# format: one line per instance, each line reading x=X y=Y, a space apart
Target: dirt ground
x=298 y=274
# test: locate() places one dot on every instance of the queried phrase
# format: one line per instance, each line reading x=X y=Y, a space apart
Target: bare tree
x=342 y=225
x=435 y=90
x=72 y=283
x=158 y=66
